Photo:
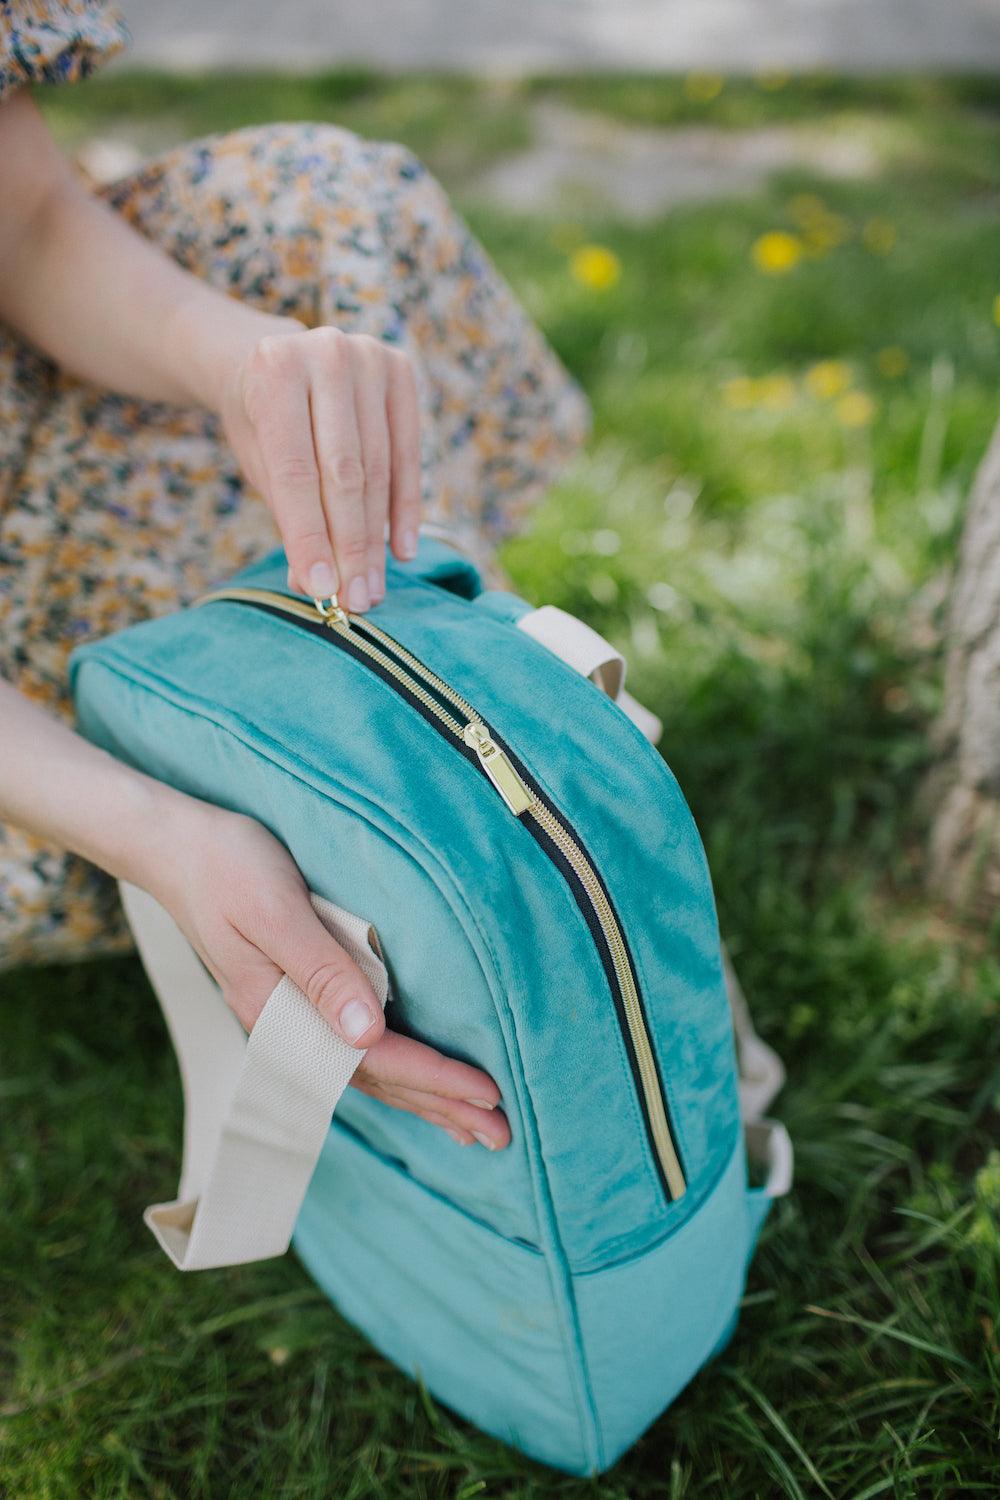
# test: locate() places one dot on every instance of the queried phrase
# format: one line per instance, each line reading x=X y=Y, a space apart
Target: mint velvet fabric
x=552 y=1291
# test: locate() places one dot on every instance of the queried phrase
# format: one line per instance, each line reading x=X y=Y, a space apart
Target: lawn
x=792 y=389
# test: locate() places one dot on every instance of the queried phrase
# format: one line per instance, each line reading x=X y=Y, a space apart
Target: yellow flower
x=566 y=236
x=825 y=232
x=777 y=252
x=855 y=409
x=740 y=393
x=702 y=88
x=771 y=79
x=996 y=309
x=828 y=378
x=777 y=391
x=806 y=207
x=892 y=361
x=879 y=235
x=821 y=228
x=595 y=267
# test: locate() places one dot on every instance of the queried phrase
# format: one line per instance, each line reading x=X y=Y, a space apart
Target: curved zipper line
x=309 y=613
x=645 y=1060
x=355 y=628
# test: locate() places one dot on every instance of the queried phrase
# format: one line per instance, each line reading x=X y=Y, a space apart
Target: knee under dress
x=114 y=509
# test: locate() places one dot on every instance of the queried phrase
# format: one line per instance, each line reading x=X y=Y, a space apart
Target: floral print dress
x=114 y=509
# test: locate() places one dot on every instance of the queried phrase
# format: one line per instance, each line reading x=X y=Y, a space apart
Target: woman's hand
x=235 y=892
x=326 y=425
x=238 y=897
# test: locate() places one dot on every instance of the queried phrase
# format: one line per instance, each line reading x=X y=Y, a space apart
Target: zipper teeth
x=412 y=686
x=652 y=1091
x=351 y=633
x=542 y=814
x=418 y=666
x=585 y=873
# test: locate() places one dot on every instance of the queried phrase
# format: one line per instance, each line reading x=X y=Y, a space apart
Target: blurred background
x=765 y=238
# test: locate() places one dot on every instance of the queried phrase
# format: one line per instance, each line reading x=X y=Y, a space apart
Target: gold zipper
x=645 y=1061
x=519 y=799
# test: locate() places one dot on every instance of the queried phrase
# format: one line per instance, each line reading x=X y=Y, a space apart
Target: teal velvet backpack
x=464 y=784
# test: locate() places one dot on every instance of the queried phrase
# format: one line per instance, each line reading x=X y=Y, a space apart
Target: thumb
x=328 y=976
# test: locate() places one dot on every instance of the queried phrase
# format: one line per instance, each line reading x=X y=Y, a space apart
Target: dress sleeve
x=56 y=41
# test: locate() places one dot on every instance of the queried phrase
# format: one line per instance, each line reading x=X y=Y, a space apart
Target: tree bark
x=965 y=785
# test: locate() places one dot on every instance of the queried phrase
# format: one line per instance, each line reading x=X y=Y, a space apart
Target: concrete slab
x=509 y=36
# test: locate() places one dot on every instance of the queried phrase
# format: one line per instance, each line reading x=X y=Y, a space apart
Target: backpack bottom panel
x=478 y=1318
x=472 y=1314
x=650 y=1322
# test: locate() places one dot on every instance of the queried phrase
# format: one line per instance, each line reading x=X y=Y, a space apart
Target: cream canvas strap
x=761 y=1075
x=592 y=656
x=257 y=1108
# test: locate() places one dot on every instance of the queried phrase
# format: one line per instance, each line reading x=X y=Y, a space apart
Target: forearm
x=102 y=302
x=58 y=786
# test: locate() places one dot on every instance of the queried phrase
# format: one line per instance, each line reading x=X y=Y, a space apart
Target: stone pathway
x=582 y=161
x=508 y=36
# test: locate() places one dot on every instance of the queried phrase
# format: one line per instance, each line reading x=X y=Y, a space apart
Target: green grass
x=432 y=112
x=776 y=577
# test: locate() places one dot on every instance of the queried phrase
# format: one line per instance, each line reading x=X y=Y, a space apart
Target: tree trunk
x=965 y=786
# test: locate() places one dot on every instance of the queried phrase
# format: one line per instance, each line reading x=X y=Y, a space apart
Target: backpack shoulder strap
x=257 y=1108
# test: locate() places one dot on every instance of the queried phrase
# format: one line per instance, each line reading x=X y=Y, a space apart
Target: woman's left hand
x=326 y=424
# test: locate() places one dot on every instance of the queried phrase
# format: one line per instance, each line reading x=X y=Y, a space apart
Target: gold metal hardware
x=499 y=769
x=331 y=611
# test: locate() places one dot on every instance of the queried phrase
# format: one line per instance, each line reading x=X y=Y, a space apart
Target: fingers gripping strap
x=258 y=1107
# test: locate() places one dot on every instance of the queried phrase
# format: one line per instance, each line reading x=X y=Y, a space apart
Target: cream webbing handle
x=761 y=1075
x=257 y=1108
x=592 y=656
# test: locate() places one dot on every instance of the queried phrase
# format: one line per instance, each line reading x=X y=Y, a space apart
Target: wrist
x=208 y=337
x=57 y=786
x=158 y=825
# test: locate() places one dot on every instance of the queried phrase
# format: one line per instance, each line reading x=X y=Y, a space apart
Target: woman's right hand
x=242 y=903
x=326 y=425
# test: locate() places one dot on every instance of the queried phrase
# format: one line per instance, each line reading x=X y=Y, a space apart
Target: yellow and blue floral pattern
x=56 y=41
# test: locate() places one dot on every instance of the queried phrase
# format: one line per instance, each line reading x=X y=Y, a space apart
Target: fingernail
x=484 y=1140
x=481 y=1103
x=409 y=543
x=374 y=585
x=291 y=582
x=455 y=1136
x=357 y=594
x=321 y=581
x=355 y=1019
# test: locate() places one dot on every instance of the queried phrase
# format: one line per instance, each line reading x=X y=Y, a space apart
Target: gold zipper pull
x=330 y=612
x=498 y=768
